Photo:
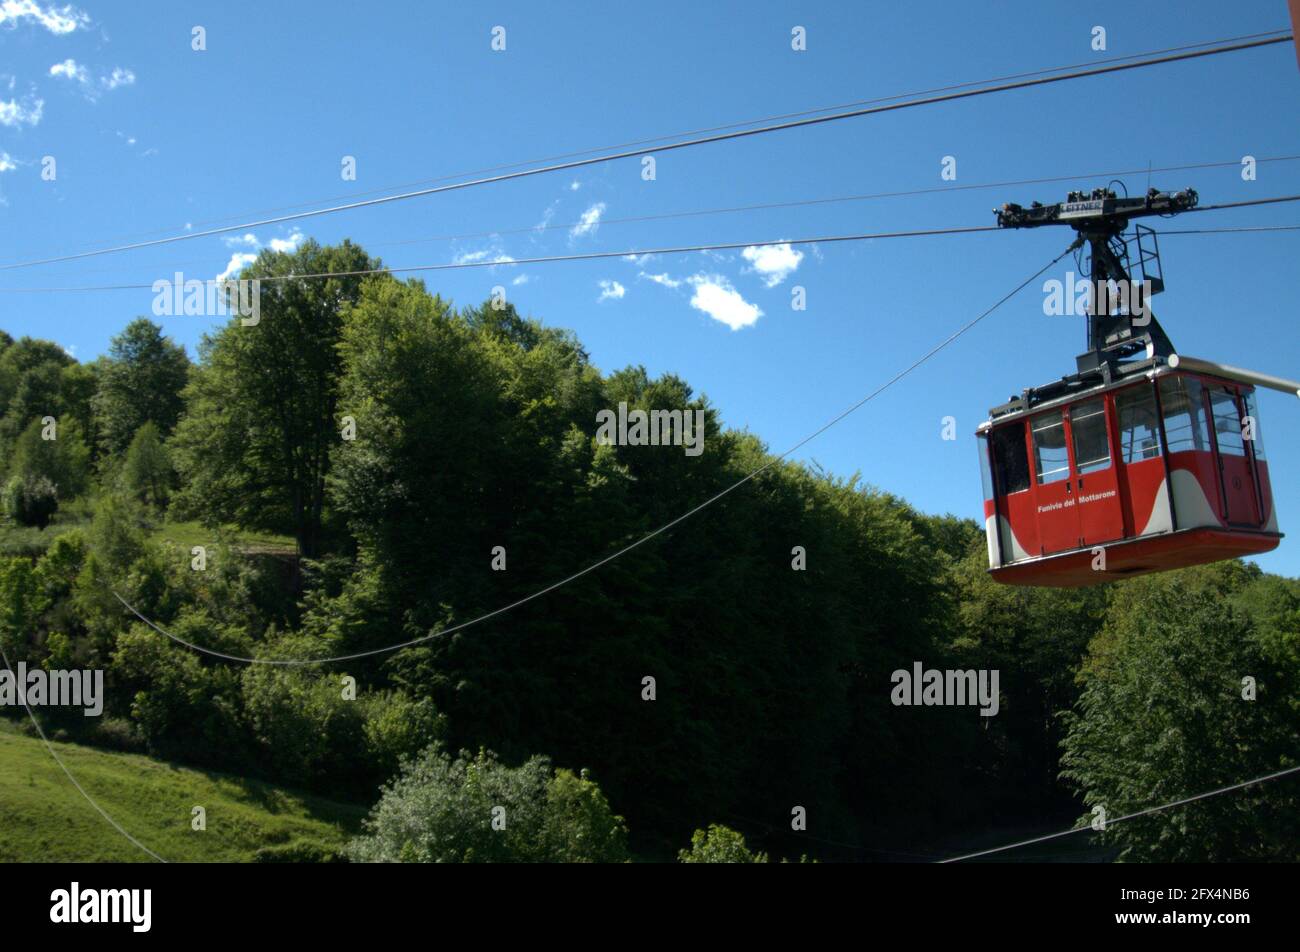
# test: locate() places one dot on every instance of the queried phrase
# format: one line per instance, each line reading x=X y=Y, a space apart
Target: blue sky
x=151 y=136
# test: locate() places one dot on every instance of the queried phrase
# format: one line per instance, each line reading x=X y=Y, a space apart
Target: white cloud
x=7 y=163
x=482 y=255
x=250 y=240
x=57 y=20
x=14 y=113
x=285 y=244
x=638 y=260
x=610 y=291
x=663 y=279
x=574 y=185
x=71 y=69
x=119 y=77
x=522 y=279
x=237 y=263
x=547 y=216
x=715 y=296
x=774 y=263
x=589 y=221
x=239 y=259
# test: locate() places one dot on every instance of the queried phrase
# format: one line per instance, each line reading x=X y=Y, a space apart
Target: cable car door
x=1096 y=479
x=1057 y=515
x=1236 y=475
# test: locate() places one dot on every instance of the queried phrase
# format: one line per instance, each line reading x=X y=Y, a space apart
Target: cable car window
x=986 y=470
x=1088 y=427
x=1051 y=460
x=1139 y=425
x=1010 y=459
x=1185 y=424
x=1227 y=422
x=1252 y=413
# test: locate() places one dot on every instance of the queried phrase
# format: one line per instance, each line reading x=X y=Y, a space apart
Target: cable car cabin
x=1154 y=471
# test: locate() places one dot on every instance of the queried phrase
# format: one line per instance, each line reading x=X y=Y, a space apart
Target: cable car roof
x=1073 y=388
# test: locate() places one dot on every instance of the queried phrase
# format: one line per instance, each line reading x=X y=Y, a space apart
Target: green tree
x=140 y=382
x=53 y=451
x=78 y=384
x=117 y=531
x=21 y=605
x=39 y=396
x=430 y=425
x=254 y=448
x=35 y=396
x=147 y=470
x=1163 y=716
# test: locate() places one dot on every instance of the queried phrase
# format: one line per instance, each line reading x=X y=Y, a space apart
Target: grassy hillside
x=186 y=534
x=16 y=540
x=44 y=818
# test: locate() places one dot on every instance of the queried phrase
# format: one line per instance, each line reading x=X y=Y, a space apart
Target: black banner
x=336 y=901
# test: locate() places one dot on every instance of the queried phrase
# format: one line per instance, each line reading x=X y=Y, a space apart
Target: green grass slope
x=44 y=818
x=16 y=540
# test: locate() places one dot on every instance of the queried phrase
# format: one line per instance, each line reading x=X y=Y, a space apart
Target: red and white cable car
x=1129 y=465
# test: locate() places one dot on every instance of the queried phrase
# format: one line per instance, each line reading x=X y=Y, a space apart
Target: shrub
x=31 y=500
x=180 y=707
x=397 y=727
x=307 y=731
x=719 y=844
x=117 y=733
x=479 y=810
x=299 y=851
x=578 y=826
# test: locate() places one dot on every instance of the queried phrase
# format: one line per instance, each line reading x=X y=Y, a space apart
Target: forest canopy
x=426 y=465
